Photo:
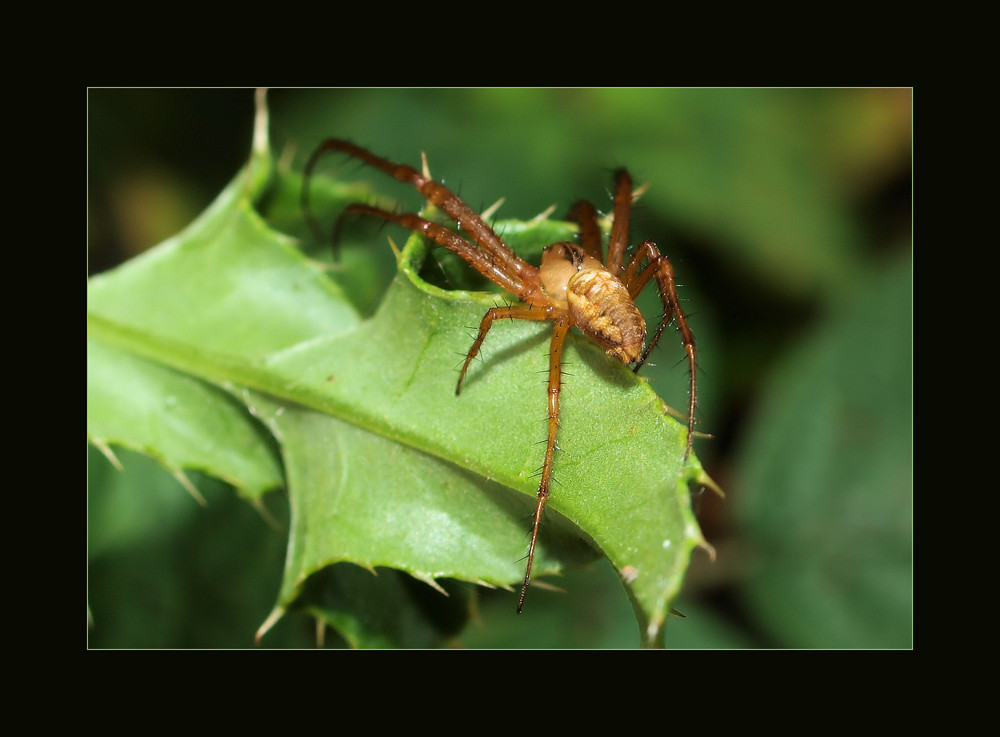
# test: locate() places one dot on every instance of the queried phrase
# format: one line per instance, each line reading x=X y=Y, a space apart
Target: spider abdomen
x=602 y=308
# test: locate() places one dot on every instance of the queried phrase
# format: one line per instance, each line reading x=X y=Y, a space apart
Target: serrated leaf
x=385 y=465
x=181 y=420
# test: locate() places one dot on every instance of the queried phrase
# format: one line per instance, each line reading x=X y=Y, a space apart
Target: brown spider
x=573 y=287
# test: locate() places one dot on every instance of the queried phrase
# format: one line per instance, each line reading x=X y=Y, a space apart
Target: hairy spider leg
x=559 y=332
x=659 y=266
x=584 y=215
x=517 y=275
x=618 y=241
x=511 y=312
x=451 y=240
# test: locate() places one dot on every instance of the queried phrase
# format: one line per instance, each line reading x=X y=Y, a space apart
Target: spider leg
x=517 y=272
x=451 y=240
x=585 y=216
x=511 y=312
x=555 y=382
x=660 y=268
x=620 y=226
x=559 y=332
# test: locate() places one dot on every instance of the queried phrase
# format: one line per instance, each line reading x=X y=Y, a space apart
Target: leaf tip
x=544 y=214
x=260 y=122
x=705 y=480
x=186 y=483
x=432 y=582
x=107 y=453
x=272 y=618
x=707 y=547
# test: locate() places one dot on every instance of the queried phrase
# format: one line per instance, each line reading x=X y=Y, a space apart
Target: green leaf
x=181 y=420
x=386 y=610
x=164 y=572
x=385 y=465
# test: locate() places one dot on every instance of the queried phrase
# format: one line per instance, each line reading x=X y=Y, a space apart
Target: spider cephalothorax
x=575 y=286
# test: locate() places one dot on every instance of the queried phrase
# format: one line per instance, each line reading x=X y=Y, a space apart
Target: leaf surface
x=384 y=464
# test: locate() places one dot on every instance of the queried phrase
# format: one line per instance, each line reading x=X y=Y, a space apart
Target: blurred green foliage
x=787 y=215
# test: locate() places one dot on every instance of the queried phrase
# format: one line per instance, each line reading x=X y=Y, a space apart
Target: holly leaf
x=385 y=466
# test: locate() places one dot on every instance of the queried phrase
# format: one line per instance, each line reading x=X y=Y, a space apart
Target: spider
x=575 y=286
